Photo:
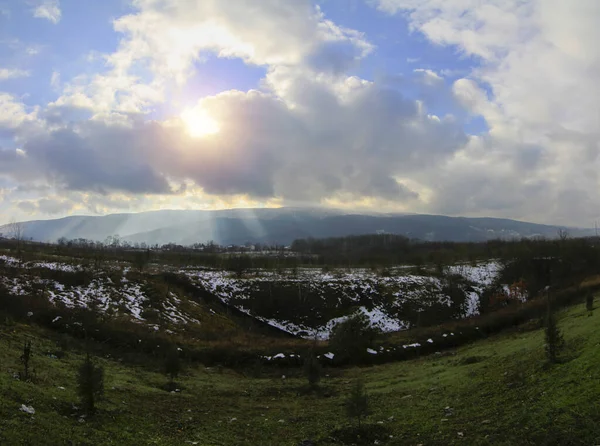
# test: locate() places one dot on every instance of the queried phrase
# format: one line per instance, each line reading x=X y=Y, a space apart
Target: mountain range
x=278 y=225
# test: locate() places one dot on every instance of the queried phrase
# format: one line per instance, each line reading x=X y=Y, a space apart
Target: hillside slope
x=281 y=226
x=497 y=391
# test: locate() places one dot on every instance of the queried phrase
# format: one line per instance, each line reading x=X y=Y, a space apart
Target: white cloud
x=314 y=133
x=429 y=76
x=305 y=138
x=536 y=86
x=55 y=79
x=13 y=113
x=165 y=39
x=12 y=73
x=49 y=10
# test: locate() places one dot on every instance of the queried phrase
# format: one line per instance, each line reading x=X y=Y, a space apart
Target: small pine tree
x=90 y=384
x=141 y=259
x=351 y=338
x=554 y=339
x=172 y=365
x=357 y=404
x=312 y=369
x=589 y=301
x=25 y=357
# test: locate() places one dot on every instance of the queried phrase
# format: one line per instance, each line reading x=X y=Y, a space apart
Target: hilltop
x=278 y=226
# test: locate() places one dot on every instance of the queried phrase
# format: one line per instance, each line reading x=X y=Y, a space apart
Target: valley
x=440 y=346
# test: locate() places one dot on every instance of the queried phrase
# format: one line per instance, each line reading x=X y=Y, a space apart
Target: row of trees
x=375 y=250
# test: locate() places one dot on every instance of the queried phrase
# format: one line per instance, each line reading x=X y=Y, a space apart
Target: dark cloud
x=329 y=143
x=27 y=206
x=98 y=158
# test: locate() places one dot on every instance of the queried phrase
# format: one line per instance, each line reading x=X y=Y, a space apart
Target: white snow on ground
x=482 y=273
x=27 y=409
x=173 y=314
x=472 y=303
x=382 y=321
x=56 y=266
x=351 y=284
x=101 y=293
x=9 y=260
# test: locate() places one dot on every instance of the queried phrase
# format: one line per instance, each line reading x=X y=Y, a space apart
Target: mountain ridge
x=280 y=226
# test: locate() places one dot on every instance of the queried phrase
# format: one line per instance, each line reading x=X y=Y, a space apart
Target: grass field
x=497 y=391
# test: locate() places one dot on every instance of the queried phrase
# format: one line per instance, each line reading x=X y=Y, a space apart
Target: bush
x=554 y=339
x=357 y=404
x=90 y=384
x=351 y=338
x=25 y=357
x=172 y=365
x=312 y=369
x=589 y=301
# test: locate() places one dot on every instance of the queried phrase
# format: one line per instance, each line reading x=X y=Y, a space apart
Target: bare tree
x=16 y=231
x=563 y=234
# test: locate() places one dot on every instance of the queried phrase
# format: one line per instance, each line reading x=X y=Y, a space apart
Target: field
x=439 y=373
x=305 y=301
x=495 y=391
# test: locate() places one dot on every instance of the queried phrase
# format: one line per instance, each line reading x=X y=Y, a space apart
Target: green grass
x=500 y=391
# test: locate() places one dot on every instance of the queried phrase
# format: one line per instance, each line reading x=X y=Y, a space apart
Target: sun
x=199 y=123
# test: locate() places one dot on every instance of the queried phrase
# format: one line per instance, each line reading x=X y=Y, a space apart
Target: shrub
x=90 y=384
x=25 y=357
x=357 y=403
x=172 y=365
x=312 y=369
x=589 y=301
x=351 y=338
x=141 y=259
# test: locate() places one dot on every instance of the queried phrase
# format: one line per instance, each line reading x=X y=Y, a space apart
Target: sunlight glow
x=199 y=123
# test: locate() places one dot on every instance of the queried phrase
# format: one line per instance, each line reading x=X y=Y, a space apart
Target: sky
x=454 y=107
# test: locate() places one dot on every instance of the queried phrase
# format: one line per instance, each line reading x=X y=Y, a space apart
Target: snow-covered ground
x=350 y=290
x=308 y=301
x=102 y=293
x=482 y=274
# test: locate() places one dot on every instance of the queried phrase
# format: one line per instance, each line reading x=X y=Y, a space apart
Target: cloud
x=47 y=206
x=315 y=132
x=13 y=113
x=428 y=76
x=55 y=79
x=306 y=139
x=49 y=10
x=95 y=158
x=535 y=84
x=12 y=73
x=311 y=133
x=165 y=39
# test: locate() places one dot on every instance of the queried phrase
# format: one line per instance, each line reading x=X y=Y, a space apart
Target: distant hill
x=281 y=226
